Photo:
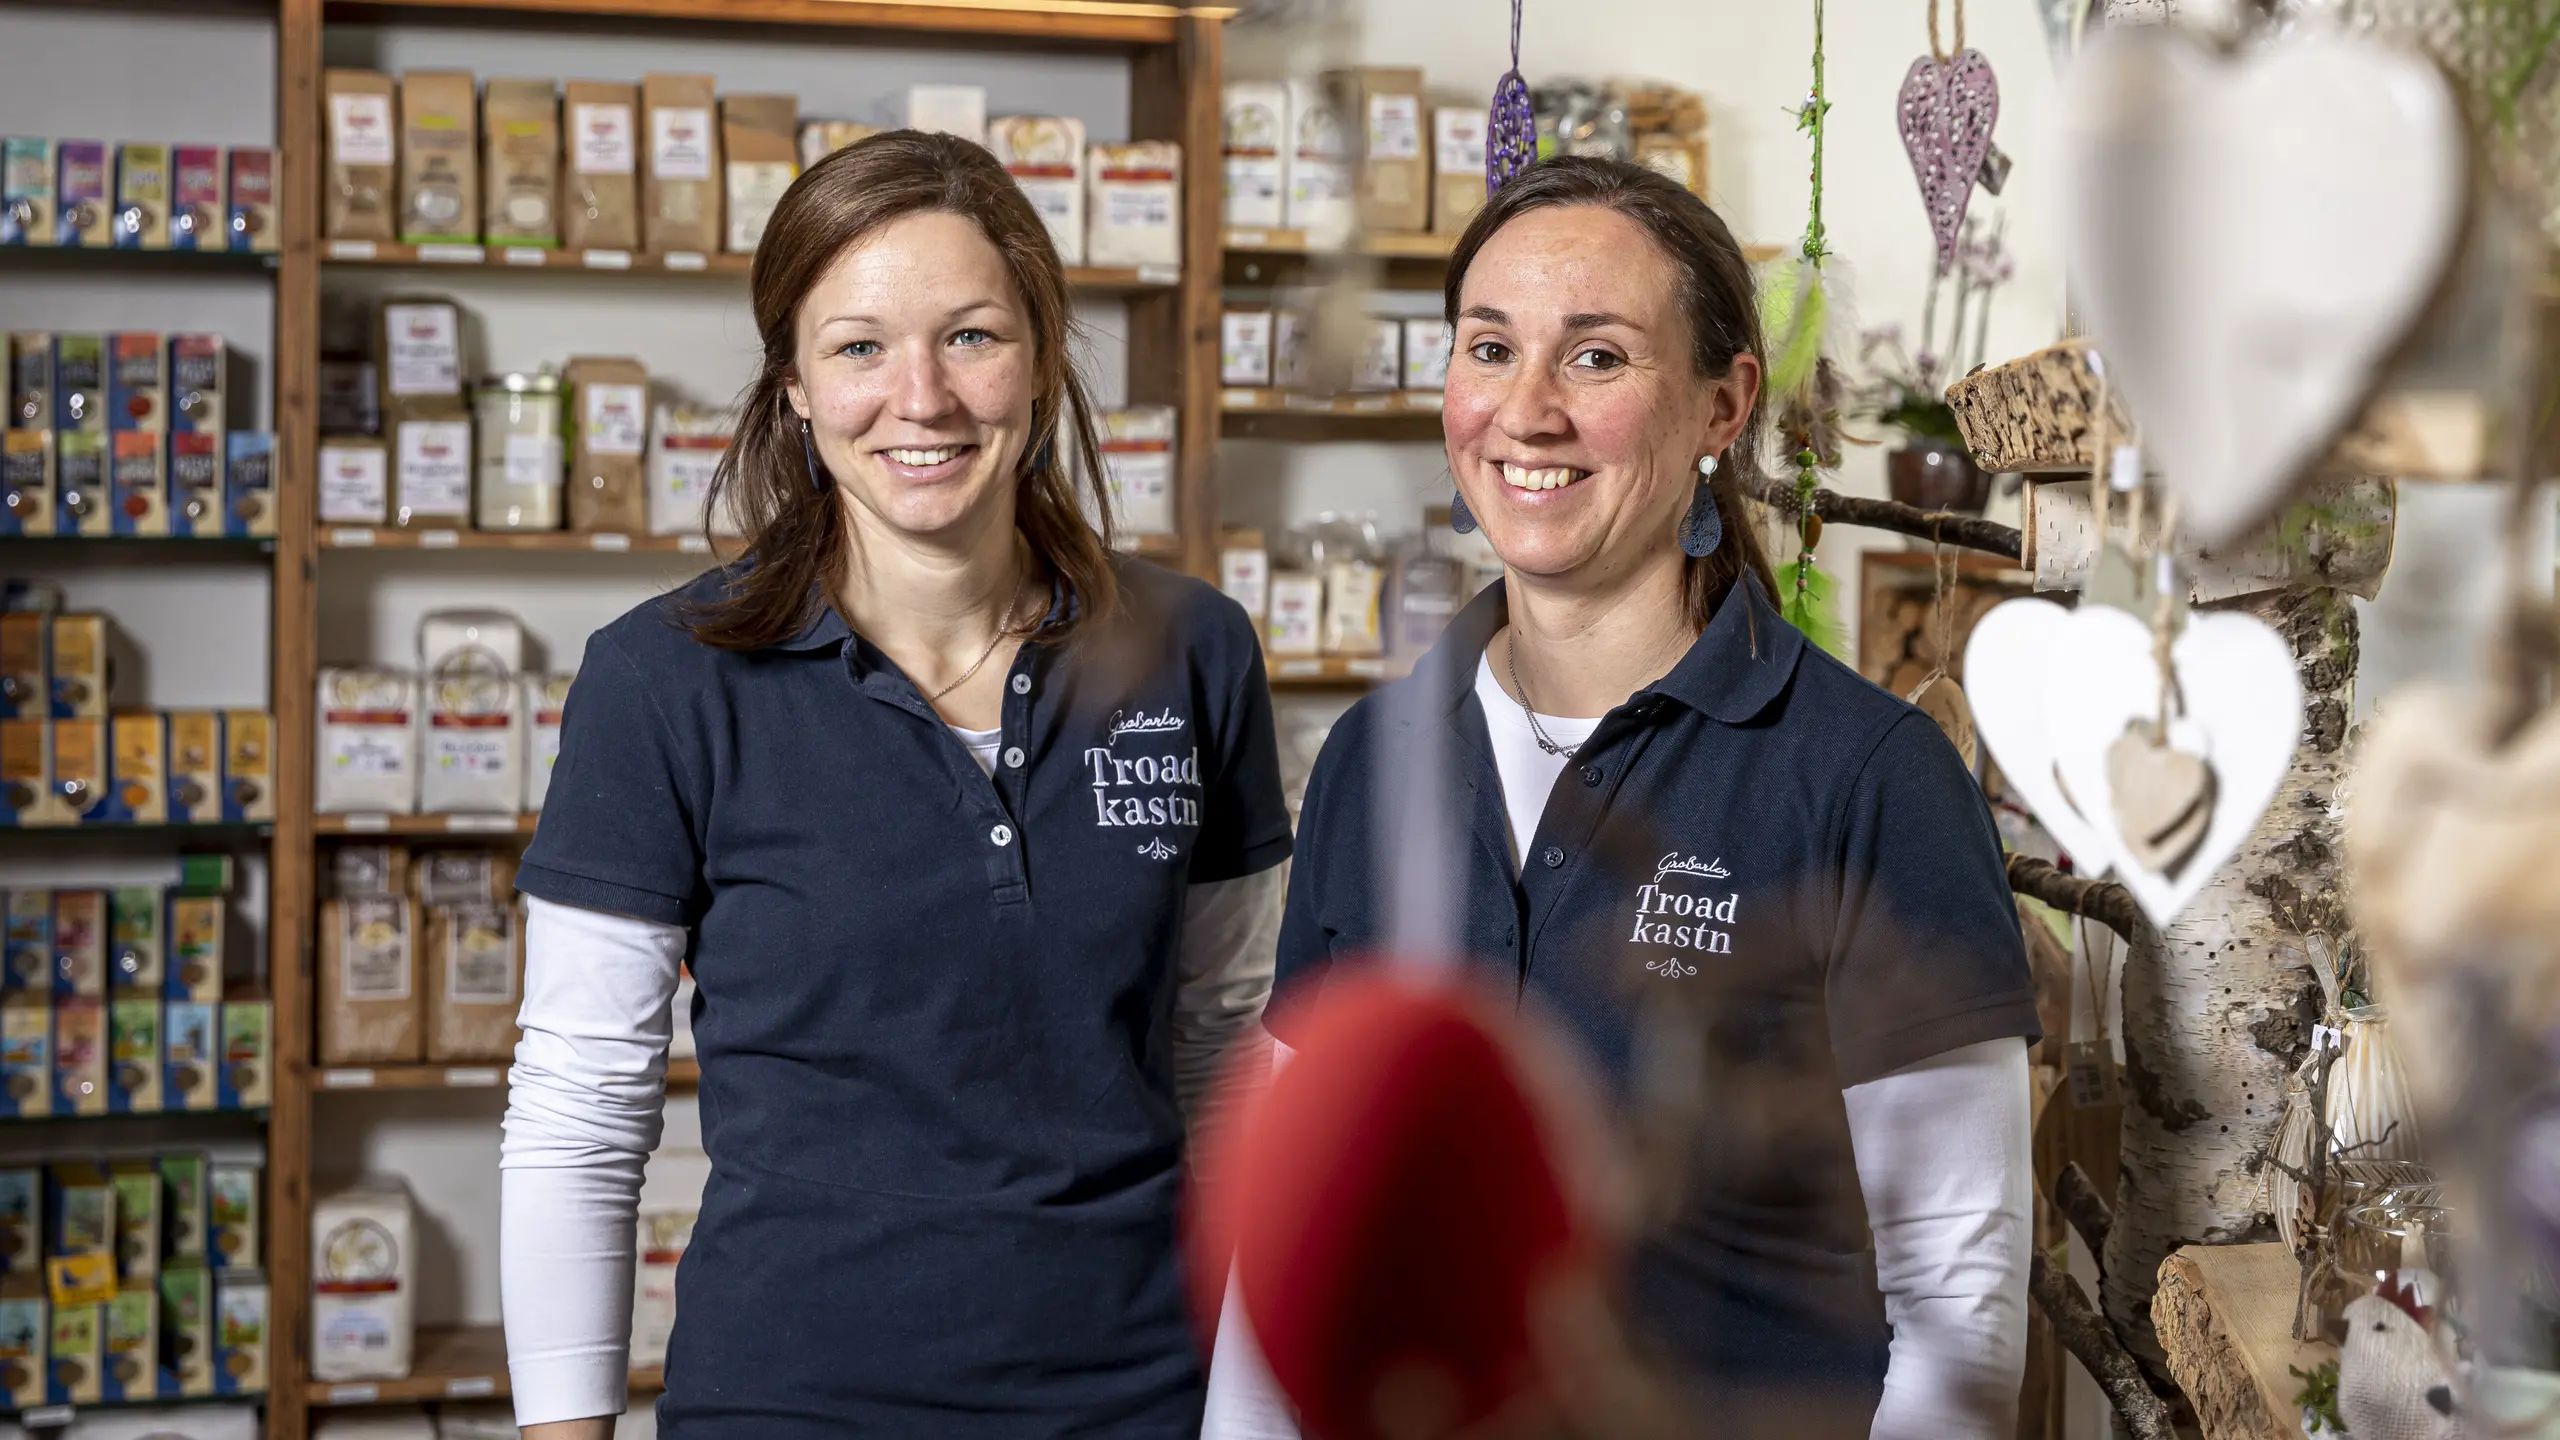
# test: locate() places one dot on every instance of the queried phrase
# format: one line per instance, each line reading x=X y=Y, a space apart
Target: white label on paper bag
x=755 y=187
x=1395 y=127
x=374 y=951
x=616 y=418
x=368 y=752
x=457 y=744
x=533 y=460
x=1459 y=137
x=600 y=139
x=680 y=142
x=1137 y=207
x=480 y=958
x=435 y=467
x=1141 y=485
x=353 y=487
x=425 y=342
x=360 y=130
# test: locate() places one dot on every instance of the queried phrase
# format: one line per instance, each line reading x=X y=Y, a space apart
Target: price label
x=694 y=544
x=452 y=255
x=526 y=255
x=687 y=260
x=607 y=259
x=610 y=542
x=1247 y=239
x=1159 y=274
x=481 y=824
x=473 y=1387
x=346 y=1079
x=473 y=1079
x=439 y=539
x=354 y=1394
x=351 y=538
x=351 y=250
x=373 y=824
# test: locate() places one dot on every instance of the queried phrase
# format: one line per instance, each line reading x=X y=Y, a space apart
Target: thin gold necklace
x=1520 y=693
x=1002 y=626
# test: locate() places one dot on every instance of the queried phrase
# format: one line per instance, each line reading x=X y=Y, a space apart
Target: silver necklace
x=1520 y=692
x=980 y=663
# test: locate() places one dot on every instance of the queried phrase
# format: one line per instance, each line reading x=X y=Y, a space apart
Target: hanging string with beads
x=1810 y=120
x=1511 y=130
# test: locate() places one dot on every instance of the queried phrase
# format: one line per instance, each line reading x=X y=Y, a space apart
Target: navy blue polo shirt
x=1761 y=848
x=935 y=1008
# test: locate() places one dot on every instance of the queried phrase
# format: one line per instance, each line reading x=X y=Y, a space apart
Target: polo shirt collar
x=826 y=629
x=1731 y=673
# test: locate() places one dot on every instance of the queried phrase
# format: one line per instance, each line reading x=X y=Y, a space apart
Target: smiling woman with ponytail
x=968 y=939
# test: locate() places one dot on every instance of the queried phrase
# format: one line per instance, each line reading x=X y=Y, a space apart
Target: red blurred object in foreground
x=1395 y=1208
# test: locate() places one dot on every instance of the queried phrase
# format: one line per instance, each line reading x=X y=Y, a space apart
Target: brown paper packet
x=608 y=458
x=442 y=878
x=520 y=129
x=370 y=1002
x=439 y=158
x=475 y=982
x=600 y=166
x=760 y=162
x=360 y=124
x=679 y=164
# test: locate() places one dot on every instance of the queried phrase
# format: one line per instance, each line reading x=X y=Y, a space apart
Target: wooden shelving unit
x=1173 y=55
x=1331 y=672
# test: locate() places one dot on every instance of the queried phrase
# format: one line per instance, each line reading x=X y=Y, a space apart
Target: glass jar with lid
x=520 y=466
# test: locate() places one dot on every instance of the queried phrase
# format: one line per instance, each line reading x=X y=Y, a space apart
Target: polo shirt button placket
x=1591 y=776
x=1021 y=684
x=1013 y=758
x=1552 y=856
x=1002 y=835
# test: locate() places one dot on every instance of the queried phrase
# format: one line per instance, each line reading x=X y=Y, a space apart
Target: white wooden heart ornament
x=2252 y=238
x=2242 y=716
x=2007 y=665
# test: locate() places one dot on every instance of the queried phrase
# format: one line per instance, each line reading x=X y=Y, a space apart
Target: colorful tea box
x=26 y=1054
x=27 y=505
x=236 y=1197
x=133 y=938
x=248 y=766
x=253 y=199
x=139 y=499
x=196 y=504
x=195 y=949
x=186 y=1328
x=79 y=645
x=79 y=774
x=80 y=483
x=196 y=371
x=80 y=383
x=81 y=212
x=138 y=756
x=26 y=1341
x=191 y=1054
x=133 y=1053
x=79 y=1056
x=137 y=381
x=142 y=196
x=26 y=190
x=80 y=943
x=21 y=1220
x=240 y=1333
x=198 y=220
x=26 y=665
x=26 y=772
x=80 y=1200
x=195 y=766
x=78 y=1352
x=249 y=484
x=138 y=1220
x=248 y=1056
x=131 y=1368
x=184 y=1193
x=29 y=952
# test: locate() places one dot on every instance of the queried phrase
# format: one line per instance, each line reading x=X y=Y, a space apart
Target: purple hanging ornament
x=1949 y=105
x=1511 y=130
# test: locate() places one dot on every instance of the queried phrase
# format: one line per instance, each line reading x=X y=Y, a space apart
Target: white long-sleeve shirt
x=1942 y=1149
x=587 y=1095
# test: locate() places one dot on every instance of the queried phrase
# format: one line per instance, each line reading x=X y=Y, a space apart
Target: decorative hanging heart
x=2015 y=646
x=1947 y=110
x=2242 y=713
x=2252 y=239
x=2163 y=798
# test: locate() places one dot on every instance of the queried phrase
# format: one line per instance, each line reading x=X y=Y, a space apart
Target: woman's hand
x=598 y=1428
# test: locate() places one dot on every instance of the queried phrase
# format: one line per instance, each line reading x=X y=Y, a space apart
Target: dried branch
x=2090 y=1339
x=2077 y=1197
x=1970 y=532
x=2104 y=901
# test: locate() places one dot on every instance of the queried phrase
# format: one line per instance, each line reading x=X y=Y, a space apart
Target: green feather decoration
x=1809 y=605
x=1795 y=310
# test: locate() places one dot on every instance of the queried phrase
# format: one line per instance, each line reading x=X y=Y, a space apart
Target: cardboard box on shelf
x=22 y=1232
x=246 y=1080
x=137 y=768
x=134 y=1056
x=1458 y=162
x=253 y=200
x=364 y=1282
x=134 y=937
x=26 y=1054
x=370 y=1002
x=355 y=481
x=76 y=1355
x=79 y=382
x=248 y=766
x=195 y=964
x=240 y=1333
x=186 y=1318
x=1297 y=610
x=235 y=1196
x=80 y=943
x=760 y=158
x=79 y=1055
x=1045 y=155
x=1256 y=143
x=80 y=483
x=360 y=194
x=1321 y=200
x=198 y=219
x=195 y=766
x=249 y=484
x=27 y=505
x=680 y=174
x=196 y=372
x=439 y=157
x=29 y=949
x=1244 y=345
x=475 y=974
x=431 y=482
x=608 y=455
x=1138 y=466
x=196 y=485
x=1136 y=210
x=138 y=1220
x=439 y=878
x=26 y=665
x=26 y=771
x=26 y=190
x=83 y=199
x=1244 y=571
x=79 y=648
x=520 y=130
x=142 y=196
x=26 y=1342
x=600 y=202
x=1382 y=105
x=79 y=772
x=138 y=485
x=184 y=1188
x=137 y=381
x=949 y=109
x=193 y=1050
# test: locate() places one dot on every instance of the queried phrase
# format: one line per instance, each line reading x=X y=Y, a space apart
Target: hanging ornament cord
x=1942 y=573
x=1810 y=120
x=1943 y=56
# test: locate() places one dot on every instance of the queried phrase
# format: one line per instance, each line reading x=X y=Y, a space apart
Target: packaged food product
x=248 y=766
x=472 y=756
x=22 y=1233
x=249 y=484
x=949 y=109
x=246 y=1080
x=431 y=484
x=822 y=138
x=138 y=1220
x=1297 y=610
x=440 y=878
x=26 y=190
x=685 y=449
x=195 y=766
x=253 y=199
x=27 y=505
x=77 y=1351
x=196 y=371
x=680 y=184
x=138 y=486
x=1255 y=141
x=240 y=1333
x=759 y=160
x=79 y=651
x=520 y=454
x=26 y=665
x=79 y=1055
x=355 y=482
x=26 y=771
x=439 y=158
x=195 y=485
x=83 y=212
x=198 y=219
x=130 y=1368
x=80 y=483
x=359 y=194
x=600 y=203
x=134 y=1055
x=79 y=773
x=235 y=1196
x=80 y=943
x=1380 y=365
x=142 y=197
x=1244 y=571
x=1138 y=466
x=79 y=382
x=1320 y=168
x=1426 y=354
x=134 y=938
x=475 y=977
x=608 y=459
x=1045 y=155
x=546 y=701
x=26 y=1339
x=350 y=395
x=520 y=126
x=369 y=999
x=194 y=1041
x=1244 y=345
x=1395 y=174
x=26 y=1053
x=137 y=381
x=369 y=871
x=186 y=1320
x=137 y=768
x=30 y=941
x=1136 y=209
x=368 y=751
x=1457 y=172
x=418 y=353
x=364 y=1279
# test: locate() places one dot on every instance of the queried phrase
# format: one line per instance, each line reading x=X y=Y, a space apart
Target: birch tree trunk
x=2218 y=1009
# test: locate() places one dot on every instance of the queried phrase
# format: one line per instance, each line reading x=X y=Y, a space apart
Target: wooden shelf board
x=368 y=537
x=680 y=265
x=1093 y=21
x=463 y=1362
x=1259 y=414
x=209 y=830
x=71 y=255
x=682 y=1075
x=378 y=824
x=243 y=547
x=1393 y=245
x=1331 y=672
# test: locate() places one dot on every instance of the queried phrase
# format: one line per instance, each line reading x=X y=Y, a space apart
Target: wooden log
x=1971 y=532
x=2085 y=1333
x=2225 y=1317
x=2104 y=901
x=2077 y=1197
x=2338 y=533
x=2035 y=414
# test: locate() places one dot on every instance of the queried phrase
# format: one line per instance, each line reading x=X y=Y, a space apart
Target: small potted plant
x=1930 y=468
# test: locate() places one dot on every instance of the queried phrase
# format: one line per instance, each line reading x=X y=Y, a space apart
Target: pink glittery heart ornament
x=1947 y=110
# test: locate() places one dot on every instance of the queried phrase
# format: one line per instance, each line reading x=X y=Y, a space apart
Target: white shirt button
x=1002 y=835
x=1013 y=758
x=1021 y=684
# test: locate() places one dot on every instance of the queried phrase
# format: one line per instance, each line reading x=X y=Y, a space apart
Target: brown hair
x=797 y=544
x=1715 y=294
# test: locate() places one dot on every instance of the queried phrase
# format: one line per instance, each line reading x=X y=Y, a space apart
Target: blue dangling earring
x=1702 y=529
x=809 y=452
x=1461 y=519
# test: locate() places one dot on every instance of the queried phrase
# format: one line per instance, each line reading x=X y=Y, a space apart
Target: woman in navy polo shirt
x=967 y=829
x=1672 y=808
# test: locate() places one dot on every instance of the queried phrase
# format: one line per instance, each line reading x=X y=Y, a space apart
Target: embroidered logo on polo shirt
x=1674 y=911
x=1156 y=849
x=1142 y=723
x=1174 y=778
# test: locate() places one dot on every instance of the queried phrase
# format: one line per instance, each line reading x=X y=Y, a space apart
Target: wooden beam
x=1038 y=20
x=293 y=663
x=1971 y=532
x=1173 y=335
